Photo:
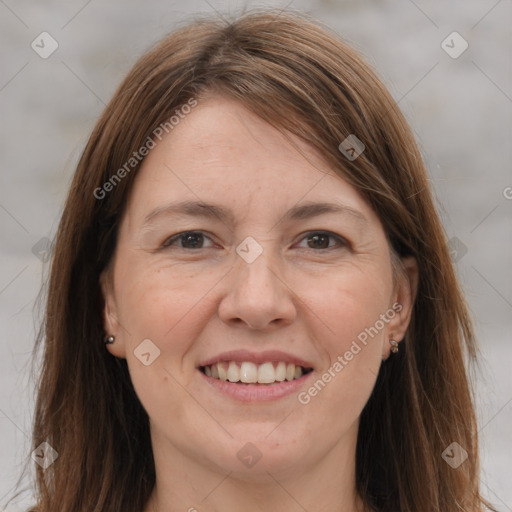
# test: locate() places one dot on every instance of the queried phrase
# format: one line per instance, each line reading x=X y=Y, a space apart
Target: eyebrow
x=212 y=211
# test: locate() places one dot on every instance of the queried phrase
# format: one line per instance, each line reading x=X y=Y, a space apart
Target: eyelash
x=170 y=241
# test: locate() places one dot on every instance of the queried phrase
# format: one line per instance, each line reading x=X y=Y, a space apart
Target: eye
x=188 y=239
x=321 y=240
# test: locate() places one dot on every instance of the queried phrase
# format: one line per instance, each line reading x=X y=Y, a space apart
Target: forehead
x=223 y=153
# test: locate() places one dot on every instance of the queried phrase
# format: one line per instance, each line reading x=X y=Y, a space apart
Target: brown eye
x=187 y=240
x=322 y=240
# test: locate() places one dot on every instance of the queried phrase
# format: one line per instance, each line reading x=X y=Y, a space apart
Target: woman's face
x=262 y=286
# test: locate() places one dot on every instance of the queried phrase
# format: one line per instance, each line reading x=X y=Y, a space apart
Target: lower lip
x=257 y=392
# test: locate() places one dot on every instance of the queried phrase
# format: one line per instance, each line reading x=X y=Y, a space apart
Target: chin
x=258 y=451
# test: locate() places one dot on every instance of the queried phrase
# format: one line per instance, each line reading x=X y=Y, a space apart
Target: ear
x=110 y=317
x=402 y=303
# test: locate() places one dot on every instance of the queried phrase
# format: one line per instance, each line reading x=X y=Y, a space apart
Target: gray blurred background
x=459 y=104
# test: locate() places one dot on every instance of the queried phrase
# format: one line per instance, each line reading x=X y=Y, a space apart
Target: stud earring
x=109 y=340
x=394 y=346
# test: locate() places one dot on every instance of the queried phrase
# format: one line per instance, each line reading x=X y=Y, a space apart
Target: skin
x=297 y=296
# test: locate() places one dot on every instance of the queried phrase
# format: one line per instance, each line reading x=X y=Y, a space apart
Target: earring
x=394 y=346
x=109 y=340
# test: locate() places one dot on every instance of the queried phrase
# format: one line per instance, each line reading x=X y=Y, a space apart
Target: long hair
x=299 y=77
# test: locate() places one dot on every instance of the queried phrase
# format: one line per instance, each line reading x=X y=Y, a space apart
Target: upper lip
x=240 y=356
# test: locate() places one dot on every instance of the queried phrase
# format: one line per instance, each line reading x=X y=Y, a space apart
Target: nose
x=257 y=296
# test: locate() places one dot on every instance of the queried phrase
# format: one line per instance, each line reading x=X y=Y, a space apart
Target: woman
x=251 y=303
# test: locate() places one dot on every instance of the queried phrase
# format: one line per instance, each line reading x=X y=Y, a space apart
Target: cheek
x=352 y=335
x=160 y=301
x=169 y=308
x=350 y=307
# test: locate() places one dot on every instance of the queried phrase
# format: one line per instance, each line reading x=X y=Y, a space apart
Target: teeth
x=233 y=372
x=290 y=371
x=281 y=371
x=223 y=373
x=266 y=373
x=250 y=373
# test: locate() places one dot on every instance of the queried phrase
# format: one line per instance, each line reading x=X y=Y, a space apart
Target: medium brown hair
x=300 y=78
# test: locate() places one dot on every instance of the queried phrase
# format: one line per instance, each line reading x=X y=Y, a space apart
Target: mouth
x=268 y=373
x=256 y=377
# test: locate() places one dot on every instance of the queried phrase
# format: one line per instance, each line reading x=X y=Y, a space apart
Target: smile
x=247 y=372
